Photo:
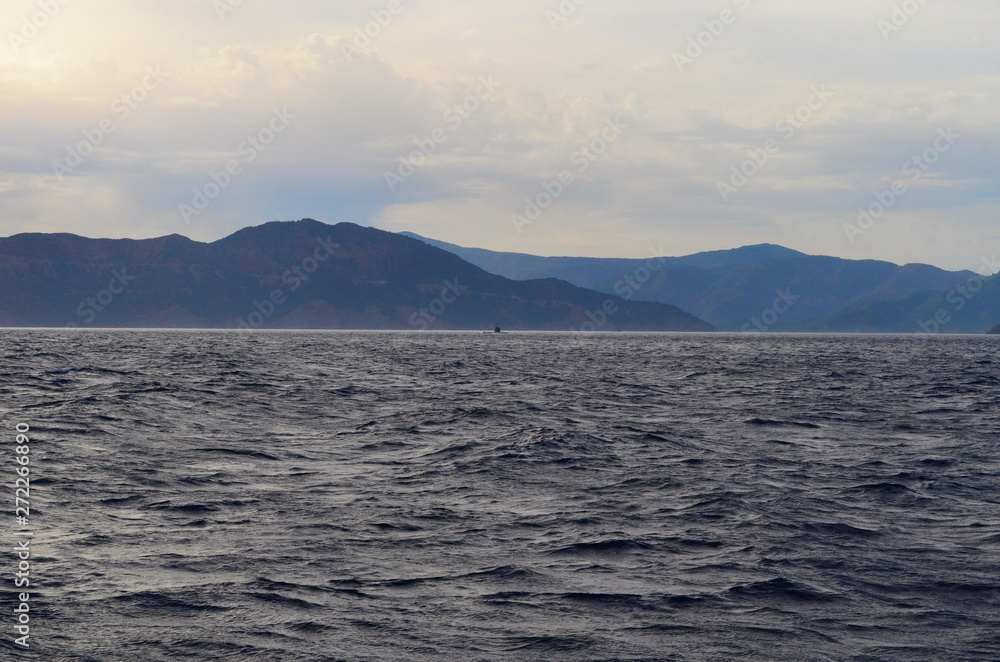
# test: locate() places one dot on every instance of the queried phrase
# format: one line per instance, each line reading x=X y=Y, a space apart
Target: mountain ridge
x=293 y=274
x=732 y=288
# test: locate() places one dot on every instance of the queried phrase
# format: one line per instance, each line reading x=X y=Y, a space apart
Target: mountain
x=595 y=271
x=302 y=274
x=768 y=287
x=970 y=307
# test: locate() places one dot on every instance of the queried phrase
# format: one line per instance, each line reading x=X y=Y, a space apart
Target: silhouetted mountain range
x=302 y=274
x=772 y=288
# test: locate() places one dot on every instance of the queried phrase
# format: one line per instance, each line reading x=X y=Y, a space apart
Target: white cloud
x=354 y=120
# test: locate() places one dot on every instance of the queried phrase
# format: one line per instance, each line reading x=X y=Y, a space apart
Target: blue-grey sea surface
x=512 y=497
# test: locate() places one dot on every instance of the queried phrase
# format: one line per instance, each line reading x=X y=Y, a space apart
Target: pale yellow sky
x=457 y=119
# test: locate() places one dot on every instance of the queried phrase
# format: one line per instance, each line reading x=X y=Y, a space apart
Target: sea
x=468 y=496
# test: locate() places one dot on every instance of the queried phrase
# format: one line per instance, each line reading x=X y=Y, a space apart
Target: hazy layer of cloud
x=534 y=89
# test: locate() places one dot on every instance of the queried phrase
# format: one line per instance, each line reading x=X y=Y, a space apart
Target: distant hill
x=958 y=310
x=595 y=270
x=302 y=274
x=742 y=288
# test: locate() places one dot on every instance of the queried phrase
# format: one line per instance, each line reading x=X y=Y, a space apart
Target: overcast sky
x=121 y=119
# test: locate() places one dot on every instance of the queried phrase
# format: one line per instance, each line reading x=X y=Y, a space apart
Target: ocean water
x=479 y=497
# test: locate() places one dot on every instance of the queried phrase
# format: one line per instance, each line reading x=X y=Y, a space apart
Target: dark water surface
x=459 y=496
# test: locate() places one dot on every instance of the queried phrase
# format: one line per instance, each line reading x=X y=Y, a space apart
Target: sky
x=861 y=129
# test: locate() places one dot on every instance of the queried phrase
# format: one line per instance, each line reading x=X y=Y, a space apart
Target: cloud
x=362 y=108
